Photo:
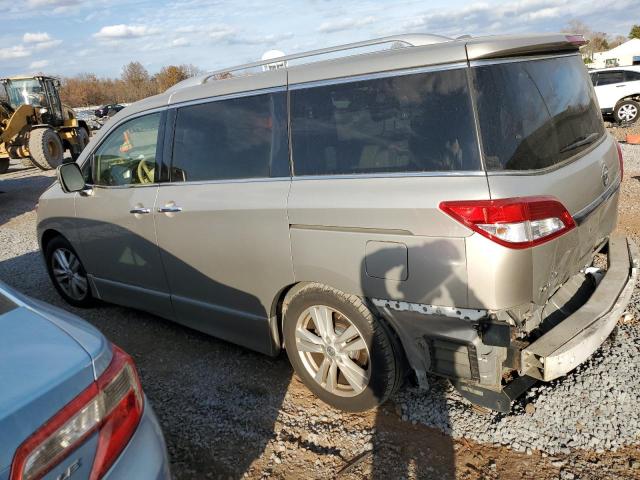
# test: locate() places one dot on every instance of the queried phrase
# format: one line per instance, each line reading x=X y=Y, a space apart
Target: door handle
x=618 y=86
x=170 y=209
x=140 y=210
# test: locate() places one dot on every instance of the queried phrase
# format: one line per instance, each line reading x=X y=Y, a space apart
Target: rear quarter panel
x=383 y=237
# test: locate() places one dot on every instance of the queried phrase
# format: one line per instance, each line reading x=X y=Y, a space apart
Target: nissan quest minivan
x=441 y=207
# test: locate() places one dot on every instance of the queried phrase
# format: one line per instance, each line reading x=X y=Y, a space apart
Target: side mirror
x=70 y=177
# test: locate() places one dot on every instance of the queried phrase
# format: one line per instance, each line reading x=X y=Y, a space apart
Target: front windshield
x=25 y=92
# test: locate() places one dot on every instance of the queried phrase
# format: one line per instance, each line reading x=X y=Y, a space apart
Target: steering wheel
x=146 y=174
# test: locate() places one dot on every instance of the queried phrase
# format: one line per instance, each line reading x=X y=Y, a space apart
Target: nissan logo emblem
x=605 y=175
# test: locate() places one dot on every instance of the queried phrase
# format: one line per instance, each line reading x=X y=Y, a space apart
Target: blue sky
x=66 y=37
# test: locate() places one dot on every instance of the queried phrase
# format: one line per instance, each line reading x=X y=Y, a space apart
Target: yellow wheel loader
x=35 y=126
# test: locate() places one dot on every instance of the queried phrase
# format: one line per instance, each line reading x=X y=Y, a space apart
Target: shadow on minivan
x=406 y=450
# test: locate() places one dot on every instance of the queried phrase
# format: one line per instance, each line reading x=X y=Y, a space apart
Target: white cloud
x=14 y=52
x=180 y=42
x=36 y=37
x=344 y=24
x=53 y=3
x=270 y=39
x=39 y=64
x=47 y=45
x=221 y=33
x=125 y=31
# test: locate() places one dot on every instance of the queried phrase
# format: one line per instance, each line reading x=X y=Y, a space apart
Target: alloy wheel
x=628 y=112
x=69 y=274
x=333 y=351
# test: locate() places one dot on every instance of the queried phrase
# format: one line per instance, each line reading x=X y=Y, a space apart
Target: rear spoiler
x=482 y=48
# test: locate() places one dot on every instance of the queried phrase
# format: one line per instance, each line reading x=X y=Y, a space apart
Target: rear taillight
x=621 y=160
x=112 y=406
x=519 y=222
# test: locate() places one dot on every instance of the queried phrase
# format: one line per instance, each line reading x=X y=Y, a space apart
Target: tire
x=63 y=282
x=26 y=162
x=4 y=165
x=380 y=365
x=627 y=111
x=83 y=140
x=46 y=148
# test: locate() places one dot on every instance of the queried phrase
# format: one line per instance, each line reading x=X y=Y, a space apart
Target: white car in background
x=618 y=91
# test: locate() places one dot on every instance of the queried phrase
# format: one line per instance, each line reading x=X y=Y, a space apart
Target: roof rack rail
x=407 y=40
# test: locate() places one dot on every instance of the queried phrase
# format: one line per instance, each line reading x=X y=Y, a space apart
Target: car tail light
x=111 y=406
x=577 y=40
x=621 y=160
x=519 y=222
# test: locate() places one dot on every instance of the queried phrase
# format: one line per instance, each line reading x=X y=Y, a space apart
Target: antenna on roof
x=272 y=54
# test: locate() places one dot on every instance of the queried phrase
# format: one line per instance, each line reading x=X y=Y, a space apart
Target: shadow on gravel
x=408 y=453
x=20 y=192
x=217 y=402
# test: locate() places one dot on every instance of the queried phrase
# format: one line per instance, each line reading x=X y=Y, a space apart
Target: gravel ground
x=551 y=418
x=228 y=412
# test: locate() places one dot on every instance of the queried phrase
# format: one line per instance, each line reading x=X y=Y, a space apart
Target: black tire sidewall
x=4 y=165
x=52 y=246
x=383 y=370
x=621 y=104
x=38 y=148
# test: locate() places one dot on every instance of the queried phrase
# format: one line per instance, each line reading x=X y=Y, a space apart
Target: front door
x=222 y=223
x=116 y=231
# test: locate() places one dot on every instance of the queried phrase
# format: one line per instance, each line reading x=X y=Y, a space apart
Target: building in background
x=623 y=55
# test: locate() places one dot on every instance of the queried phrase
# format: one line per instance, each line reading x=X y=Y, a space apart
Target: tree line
x=135 y=83
x=599 y=41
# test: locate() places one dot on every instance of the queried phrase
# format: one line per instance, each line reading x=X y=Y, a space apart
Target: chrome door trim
x=583 y=214
x=461 y=173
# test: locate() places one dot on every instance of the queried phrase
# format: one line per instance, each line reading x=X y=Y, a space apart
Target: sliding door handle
x=140 y=210
x=170 y=209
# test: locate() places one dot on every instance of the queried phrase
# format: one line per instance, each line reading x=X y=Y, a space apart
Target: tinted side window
x=607 y=78
x=128 y=155
x=630 y=76
x=231 y=139
x=410 y=123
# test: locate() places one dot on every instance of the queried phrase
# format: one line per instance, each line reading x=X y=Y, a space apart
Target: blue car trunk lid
x=42 y=368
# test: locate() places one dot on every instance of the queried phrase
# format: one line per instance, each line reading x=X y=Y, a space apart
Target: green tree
x=635 y=32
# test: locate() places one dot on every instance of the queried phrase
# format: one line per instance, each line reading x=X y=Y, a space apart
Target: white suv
x=618 y=91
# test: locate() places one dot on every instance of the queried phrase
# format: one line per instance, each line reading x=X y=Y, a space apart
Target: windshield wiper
x=580 y=141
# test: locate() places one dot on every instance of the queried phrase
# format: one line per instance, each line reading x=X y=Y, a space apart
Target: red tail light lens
x=112 y=406
x=520 y=222
x=621 y=160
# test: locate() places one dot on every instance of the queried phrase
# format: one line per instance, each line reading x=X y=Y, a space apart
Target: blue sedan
x=71 y=404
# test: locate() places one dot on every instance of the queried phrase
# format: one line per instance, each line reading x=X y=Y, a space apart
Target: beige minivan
x=408 y=205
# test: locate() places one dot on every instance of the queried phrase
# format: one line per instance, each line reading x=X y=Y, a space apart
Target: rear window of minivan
x=419 y=122
x=535 y=114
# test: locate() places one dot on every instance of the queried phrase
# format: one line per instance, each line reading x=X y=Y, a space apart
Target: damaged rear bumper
x=576 y=338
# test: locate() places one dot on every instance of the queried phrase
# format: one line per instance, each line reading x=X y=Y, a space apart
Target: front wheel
x=67 y=273
x=4 y=165
x=340 y=350
x=627 y=111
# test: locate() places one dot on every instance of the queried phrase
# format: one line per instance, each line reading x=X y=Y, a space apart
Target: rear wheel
x=46 y=148
x=67 y=273
x=340 y=350
x=4 y=165
x=627 y=111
